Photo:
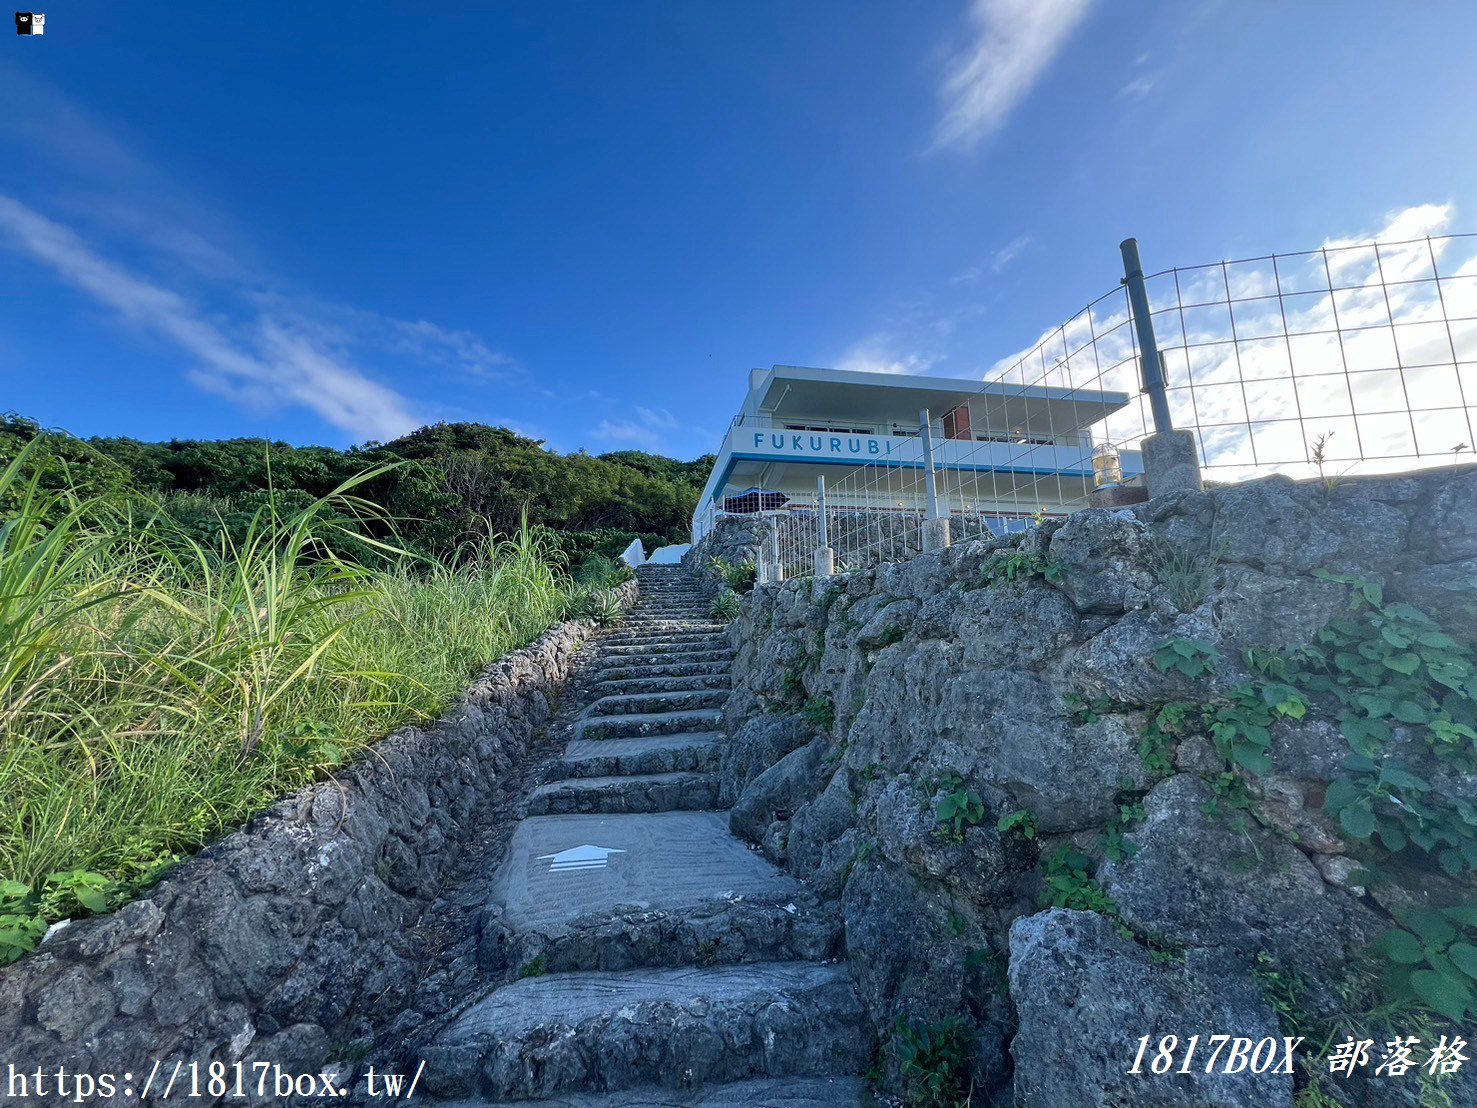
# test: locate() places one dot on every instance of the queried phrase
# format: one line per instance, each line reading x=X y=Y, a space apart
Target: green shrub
x=604 y=607
x=820 y=711
x=934 y=1061
x=958 y=808
x=725 y=606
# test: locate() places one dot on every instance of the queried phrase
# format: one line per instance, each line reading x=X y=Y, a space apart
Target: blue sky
x=587 y=221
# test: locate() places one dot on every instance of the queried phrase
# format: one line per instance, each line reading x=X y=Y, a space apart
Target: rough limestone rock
x=1085 y=995
x=758 y=745
x=1219 y=879
x=1101 y=557
x=777 y=791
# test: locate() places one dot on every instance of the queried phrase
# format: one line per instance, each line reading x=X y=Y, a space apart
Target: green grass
x=155 y=693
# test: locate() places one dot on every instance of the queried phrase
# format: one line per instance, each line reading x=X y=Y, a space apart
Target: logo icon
x=30 y=23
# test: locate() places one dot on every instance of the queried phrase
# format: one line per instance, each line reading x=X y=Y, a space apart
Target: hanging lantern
x=1107 y=466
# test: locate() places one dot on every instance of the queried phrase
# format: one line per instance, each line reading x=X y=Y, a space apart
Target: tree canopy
x=452 y=480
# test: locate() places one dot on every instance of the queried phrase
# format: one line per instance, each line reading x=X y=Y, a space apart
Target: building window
x=830 y=429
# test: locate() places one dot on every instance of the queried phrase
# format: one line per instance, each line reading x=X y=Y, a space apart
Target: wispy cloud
x=1137 y=89
x=1014 y=42
x=136 y=240
x=886 y=353
x=649 y=430
x=268 y=362
x=995 y=263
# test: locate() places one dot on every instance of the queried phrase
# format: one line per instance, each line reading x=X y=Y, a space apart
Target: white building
x=1005 y=452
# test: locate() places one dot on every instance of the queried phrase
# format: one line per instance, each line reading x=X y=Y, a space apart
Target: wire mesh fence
x=1356 y=358
x=1352 y=359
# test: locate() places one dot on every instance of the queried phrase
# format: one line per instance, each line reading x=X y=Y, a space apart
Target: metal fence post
x=935 y=529
x=825 y=557
x=1170 y=462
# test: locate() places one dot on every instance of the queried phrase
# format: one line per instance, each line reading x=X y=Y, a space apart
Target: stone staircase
x=642 y=956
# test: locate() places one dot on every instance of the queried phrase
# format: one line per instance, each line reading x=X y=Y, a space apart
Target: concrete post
x=925 y=433
x=936 y=534
x=1170 y=463
x=777 y=567
x=825 y=557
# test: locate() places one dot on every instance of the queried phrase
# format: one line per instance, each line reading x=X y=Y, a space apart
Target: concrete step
x=617 y=892
x=653 y=792
x=690 y=682
x=610 y=1031
x=623 y=669
x=769 y=1092
x=639 y=724
x=658 y=702
x=696 y=750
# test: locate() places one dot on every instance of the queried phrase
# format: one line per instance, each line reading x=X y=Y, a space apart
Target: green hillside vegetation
x=190 y=630
x=465 y=478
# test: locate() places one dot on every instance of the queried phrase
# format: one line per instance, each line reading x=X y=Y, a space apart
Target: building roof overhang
x=842 y=394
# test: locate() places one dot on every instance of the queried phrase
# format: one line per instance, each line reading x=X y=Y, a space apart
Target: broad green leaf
x=1464 y=956
x=1252 y=757
x=1399 y=946
x=1341 y=794
x=1393 y=775
x=1462 y=913
x=1393 y=838
x=91 y=899
x=1430 y=925
x=1408 y=711
x=1403 y=663
x=1446 y=995
x=1358 y=820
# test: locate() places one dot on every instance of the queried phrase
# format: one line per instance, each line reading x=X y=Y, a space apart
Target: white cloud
x=645 y=432
x=1014 y=42
x=1382 y=364
x=1136 y=89
x=884 y=353
x=272 y=364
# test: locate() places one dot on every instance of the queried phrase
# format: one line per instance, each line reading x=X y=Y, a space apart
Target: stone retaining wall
x=283 y=941
x=1019 y=672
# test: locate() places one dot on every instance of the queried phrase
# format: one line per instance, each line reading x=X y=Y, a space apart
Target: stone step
x=637 y=724
x=609 y=1031
x=696 y=750
x=664 y=631
x=606 y=661
x=717 y=644
x=669 y=641
x=626 y=704
x=768 y=1092
x=617 y=892
x=625 y=669
x=689 y=682
x=654 y=792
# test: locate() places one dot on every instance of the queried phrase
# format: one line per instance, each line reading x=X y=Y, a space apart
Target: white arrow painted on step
x=580 y=857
